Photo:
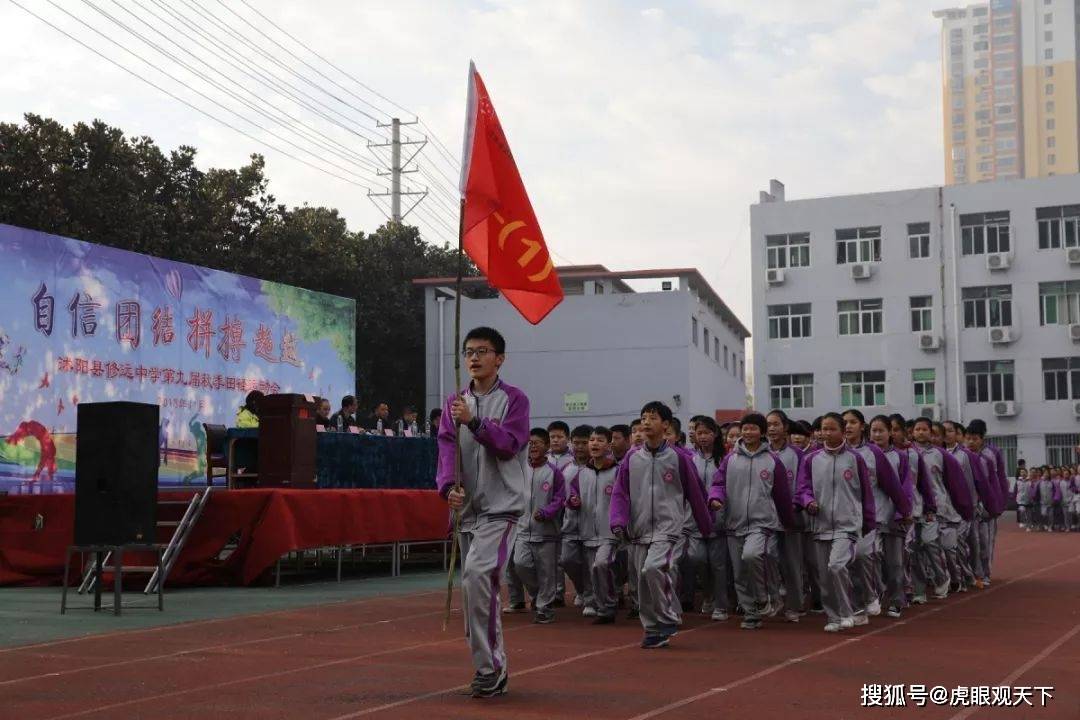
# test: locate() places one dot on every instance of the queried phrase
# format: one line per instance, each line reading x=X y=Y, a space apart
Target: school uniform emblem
x=608 y=489
x=546 y=486
x=935 y=469
x=790 y=475
x=669 y=476
x=764 y=474
x=848 y=474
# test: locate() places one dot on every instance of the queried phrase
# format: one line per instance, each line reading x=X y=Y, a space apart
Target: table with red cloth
x=270 y=523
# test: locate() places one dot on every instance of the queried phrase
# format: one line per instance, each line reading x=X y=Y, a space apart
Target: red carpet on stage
x=270 y=523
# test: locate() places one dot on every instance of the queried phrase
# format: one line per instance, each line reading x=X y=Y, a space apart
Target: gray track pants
x=572 y=562
x=485 y=550
x=792 y=568
x=537 y=565
x=833 y=561
x=892 y=550
x=658 y=603
x=601 y=562
x=754 y=565
x=864 y=574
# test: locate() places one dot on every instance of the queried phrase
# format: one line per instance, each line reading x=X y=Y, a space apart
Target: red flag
x=501 y=233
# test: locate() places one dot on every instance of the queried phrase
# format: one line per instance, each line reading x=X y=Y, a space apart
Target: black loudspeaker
x=116 y=473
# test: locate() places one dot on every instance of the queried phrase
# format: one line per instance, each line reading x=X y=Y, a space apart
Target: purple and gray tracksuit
x=536 y=550
x=791 y=545
x=922 y=545
x=698 y=554
x=493 y=476
x=837 y=481
x=994 y=467
x=654 y=492
x=955 y=508
x=593 y=485
x=571 y=550
x=985 y=496
x=889 y=501
x=756 y=493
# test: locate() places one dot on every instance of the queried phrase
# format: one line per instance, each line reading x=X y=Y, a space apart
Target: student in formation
x=792 y=553
x=620 y=441
x=1023 y=498
x=834 y=488
x=800 y=435
x=993 y=466
x=637 y=436
x=536 y=549
x=752 y=488
x=488 y=423
x=1043 y=495
x=560 y=456
x=955 y=507
x=655 y=489
x=572 y=551
x=889 y=499
x=893 y=532
x=1055 y=499
x=590 y=498
x=731 y=436
x=921 y=542
x=718 y=583
x=971 y=556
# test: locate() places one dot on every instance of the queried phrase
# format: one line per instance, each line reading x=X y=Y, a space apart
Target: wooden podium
x=286 y=442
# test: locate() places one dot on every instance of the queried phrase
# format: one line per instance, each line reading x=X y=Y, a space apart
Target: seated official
x=345 y=418
x=379 y=420
x=248 y=415
x=322 y=413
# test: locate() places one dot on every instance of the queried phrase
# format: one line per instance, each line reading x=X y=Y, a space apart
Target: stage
x=35 y=530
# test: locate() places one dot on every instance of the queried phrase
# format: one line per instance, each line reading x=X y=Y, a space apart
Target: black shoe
x=544 y=618
x=488 y=686
x=603 y=620
x=632 y=614
x=558 y=602
x=651 y=642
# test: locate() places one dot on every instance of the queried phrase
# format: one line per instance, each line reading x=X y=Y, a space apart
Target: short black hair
x=601 y=430
x=558 y=425
x=698 y=418
x=884 y=420
x=492 y=335
x=977 y=427
x=857 y=413
x=709 y=424
x=634 y=423
x=435 y=413
x=898 y=419
x=661 y=410
x=540 y=433
x=408 y=409
x=830 y=416
x=582 y=431
x=676 y=425
x=926 y=420
x=956 y=426
x=622 y=429
x=348 y=400
x=784 y=419
x=816 y=425
x=756 y=419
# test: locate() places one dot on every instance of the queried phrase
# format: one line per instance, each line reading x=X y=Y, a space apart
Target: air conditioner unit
x=929 y=341
x=861 y=271
x=1074 y=332
x=775 y=277
x=998 y=261
x=1073 y=255
x=1076 y=409
x=931 y=412
x=1001 y=335
x=1005 y=408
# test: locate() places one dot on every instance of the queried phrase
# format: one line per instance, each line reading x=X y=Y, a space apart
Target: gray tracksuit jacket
x=755 y=491
x=838 y=481
x=951 y=495
x=706 y=469
x=545 y=492
x=594 y=486
x=571 y=521
x=889 y=497
x=654 y=492
x=493 y=454
x=792 y=457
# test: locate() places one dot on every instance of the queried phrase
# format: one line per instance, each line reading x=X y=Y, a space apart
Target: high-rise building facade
x=957 y=302
x=1009 y=79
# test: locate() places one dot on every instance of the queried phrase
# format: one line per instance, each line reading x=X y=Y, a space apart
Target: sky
x=643 y=131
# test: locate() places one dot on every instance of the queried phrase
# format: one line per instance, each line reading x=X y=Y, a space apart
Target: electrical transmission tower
x=397 y=169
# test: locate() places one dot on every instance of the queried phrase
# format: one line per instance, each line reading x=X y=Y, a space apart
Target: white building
x=955 y=302
x=607 y=349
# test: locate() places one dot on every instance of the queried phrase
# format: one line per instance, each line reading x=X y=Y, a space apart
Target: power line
x=179 y=99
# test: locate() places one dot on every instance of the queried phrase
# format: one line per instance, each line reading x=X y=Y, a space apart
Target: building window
x=1048 y=54
x=742 y=370
x=862 y=388
x=989 y=381
x=1059 y=302
x=987 y=306
x=1061 y=378
x=1058 y=226
x=1007 y=445
x=982 y=233
x=1051 y=159
x=791 y=391
x=791 y=250
x=918 y=239
x=734 y=364
x=921 y=314
x=1048 y=18
x=1048 y=35
x=705 y=344
x=858 y=245
x=693 y=329
x=1048 y=71
x=1050 y=125
x=860 y=317
x=1061 y=448
x=980 y=45
x=922 y=384
x=1049 y=89
x=1049 y=106
x=716 y=348
x=789 y=321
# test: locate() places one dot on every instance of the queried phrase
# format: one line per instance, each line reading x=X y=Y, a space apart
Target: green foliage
x=319 y=315
x=96 y=184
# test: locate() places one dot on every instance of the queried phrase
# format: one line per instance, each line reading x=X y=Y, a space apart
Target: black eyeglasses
x=479 y=353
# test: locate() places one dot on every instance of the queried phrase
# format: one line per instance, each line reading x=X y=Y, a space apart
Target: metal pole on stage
x=456 y=539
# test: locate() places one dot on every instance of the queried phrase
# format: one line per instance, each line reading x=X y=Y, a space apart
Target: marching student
x=937 y=434
x=488 y=423
x=889 y=498
x=536 y=549
x=731 y=436
x=815 y=433
x=752 y=487
x=893 y=532
x=834 y=488
x=571 y=551
x=1055 y=498
x=993 y=466
x=656 y=486
x=719 y=584
x=922 y=541
x=971 y=554
x=590 y=499
x=1023 y=498
x=800 y=434
x=1066 y=485
x=620 y=441
x=1043 y=494
x=637 y=437
x=790 y=539
x=561 y=457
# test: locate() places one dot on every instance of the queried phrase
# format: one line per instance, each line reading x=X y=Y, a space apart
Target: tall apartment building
x=946 y=302
x=1010 y=81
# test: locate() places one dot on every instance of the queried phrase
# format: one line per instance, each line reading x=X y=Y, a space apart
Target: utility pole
x=397 y=169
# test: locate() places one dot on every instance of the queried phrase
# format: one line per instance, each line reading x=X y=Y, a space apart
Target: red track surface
x=388 y=658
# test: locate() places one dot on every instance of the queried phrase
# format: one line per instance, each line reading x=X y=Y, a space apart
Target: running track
x=389 y=658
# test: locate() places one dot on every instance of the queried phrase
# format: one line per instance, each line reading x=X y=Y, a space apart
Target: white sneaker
x=771 y=609
x=942 y=591
x=589 y=612
x=791 y=616
x=707 y=607
x=833 y=627
x=719 y=615
x=986 y=582
x=579 y=601
x=847 y=623
x=918 y=600
x=874 y=608
x=861 y=619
